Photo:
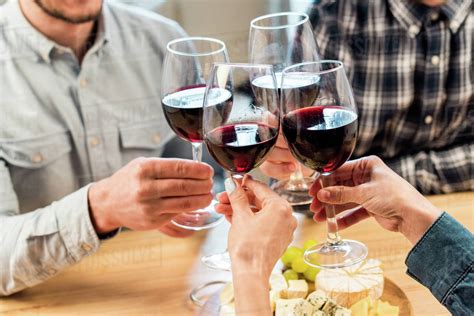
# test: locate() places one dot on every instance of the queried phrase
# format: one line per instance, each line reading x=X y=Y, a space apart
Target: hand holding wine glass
x=379 y=192
x=252 y=262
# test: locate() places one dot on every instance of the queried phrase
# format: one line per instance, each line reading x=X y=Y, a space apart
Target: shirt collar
x=411 y=14
x=23 y=33
x=456 y=11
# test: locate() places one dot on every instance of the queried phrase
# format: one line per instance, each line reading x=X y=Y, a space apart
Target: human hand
x=280 y=164
x=259 y=238
x=256 y=240
x=149 y=192
x=379 y=192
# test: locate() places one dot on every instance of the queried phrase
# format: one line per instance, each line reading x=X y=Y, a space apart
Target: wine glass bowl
x=319 y=123
x=241 y=138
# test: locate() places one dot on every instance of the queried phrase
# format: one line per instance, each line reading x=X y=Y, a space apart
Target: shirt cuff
x=442 y=256
x=75 y=226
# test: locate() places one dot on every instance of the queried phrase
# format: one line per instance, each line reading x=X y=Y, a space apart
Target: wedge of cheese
x=227 y=294
x=293 y=307
x=349 y=285
x=227 y=310
x=318 y=298
x=278 y=282
x=274 y=296
x=296 y=289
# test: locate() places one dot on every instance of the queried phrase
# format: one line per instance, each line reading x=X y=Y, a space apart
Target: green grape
x=299 y=265
x=290 y=275
x=309 y=243
x=311 y=273
x=290 y=254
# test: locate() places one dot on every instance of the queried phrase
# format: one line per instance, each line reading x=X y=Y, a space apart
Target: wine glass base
x=294 y=194
x=200 y=219
x=203 y=293
x=219 y=261
x=332 y=256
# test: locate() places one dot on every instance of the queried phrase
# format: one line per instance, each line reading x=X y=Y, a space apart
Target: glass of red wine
x=186 y=69
x=320 y=127
x=242 y=131
x=284 y=39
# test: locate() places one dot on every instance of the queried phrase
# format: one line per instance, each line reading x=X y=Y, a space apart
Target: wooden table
x=147 y=273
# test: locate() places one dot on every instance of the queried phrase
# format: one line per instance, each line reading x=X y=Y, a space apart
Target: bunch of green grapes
x=296 y=267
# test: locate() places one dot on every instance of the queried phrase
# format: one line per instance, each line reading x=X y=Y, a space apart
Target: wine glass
x=320 y=127
x=186 y=70
x=284 y=39
x=240 y=132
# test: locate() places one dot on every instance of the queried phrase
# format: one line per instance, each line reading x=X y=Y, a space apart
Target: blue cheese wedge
x=318 y=298
x=293 y=307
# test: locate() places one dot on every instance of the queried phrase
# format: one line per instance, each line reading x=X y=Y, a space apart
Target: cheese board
x=392 y=294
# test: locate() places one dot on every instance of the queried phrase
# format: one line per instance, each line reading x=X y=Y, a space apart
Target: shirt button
x=428 y=119
x=413 y=30
x=157 y=138
x=37 y=158
x=83 y=83
x=86 y=247
x=434 y=15
x=94 y=141
x=435 y=60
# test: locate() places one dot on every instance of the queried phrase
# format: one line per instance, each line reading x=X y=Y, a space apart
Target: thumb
x=341 y=195
x=238 y=198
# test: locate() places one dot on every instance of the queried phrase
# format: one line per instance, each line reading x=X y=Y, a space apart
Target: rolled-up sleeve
x=37 y=245
x=443 y=261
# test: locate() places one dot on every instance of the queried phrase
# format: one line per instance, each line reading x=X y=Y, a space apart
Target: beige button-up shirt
x=64 y=125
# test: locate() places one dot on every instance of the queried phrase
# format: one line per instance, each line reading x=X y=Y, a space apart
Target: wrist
x=98 y=210
x=251 y=291
x=415 y=221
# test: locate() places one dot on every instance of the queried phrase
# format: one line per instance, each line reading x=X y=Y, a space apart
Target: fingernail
x=324 y=195
x=229 y=185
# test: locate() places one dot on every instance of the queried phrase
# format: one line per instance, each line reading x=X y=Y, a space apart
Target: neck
x=74 y=36
x=433 y=3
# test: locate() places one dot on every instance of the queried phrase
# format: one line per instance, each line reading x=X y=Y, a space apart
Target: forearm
x=438 y=171
x=442 y=260
x=251 y=292
x=38 y=245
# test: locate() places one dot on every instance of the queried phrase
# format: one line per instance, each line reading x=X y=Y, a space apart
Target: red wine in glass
x=321 y=137
x=241 y=147
x=184 y=110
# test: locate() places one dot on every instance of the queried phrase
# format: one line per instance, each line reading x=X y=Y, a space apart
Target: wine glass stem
x=197 y=151
x=333 y=231
x=297 y=181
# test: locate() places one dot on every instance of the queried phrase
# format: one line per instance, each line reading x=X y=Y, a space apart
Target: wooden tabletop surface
x=140 y=273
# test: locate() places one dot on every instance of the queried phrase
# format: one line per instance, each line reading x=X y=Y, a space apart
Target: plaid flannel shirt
x=411 y=70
